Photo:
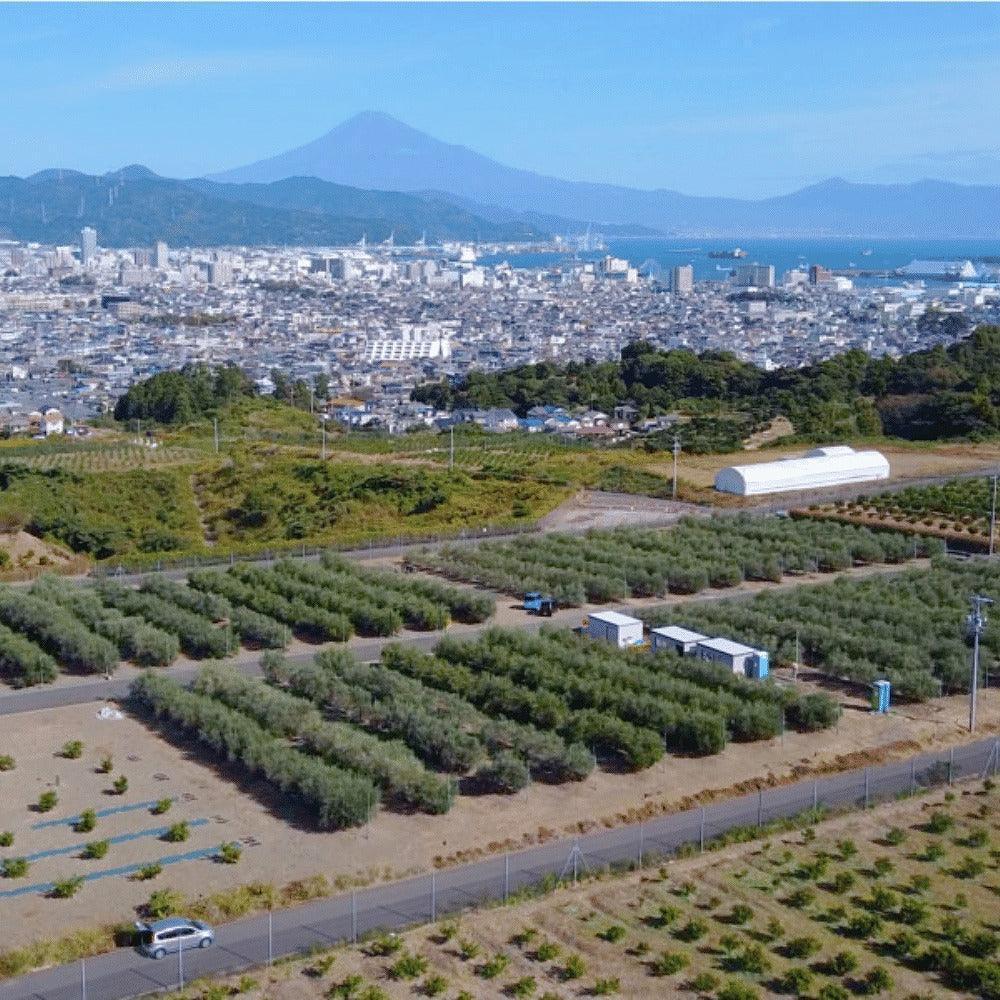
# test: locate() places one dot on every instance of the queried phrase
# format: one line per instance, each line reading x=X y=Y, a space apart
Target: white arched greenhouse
x=834 y=466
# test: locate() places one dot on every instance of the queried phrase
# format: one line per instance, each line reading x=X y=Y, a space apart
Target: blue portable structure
x=760 y=666
x=881 y=696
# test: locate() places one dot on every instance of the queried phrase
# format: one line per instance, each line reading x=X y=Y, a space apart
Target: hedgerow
x=338 y=797
x=22 y=663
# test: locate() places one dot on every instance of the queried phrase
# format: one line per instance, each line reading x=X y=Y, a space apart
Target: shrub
x=693 y=930
x=505 y=774
x=408 y=966
x=47 y=801
x=64 y=888
x=6 y=838
x=799 y=899
x=468 y=949
x=752 y=959
x=735 y=990
x=882 y=867
x=842 y=963
x=606 y=987
x=434 y=986
x=969 y=867
x=547 y=951
x=163 y=903
x=494 y=966
x=15 y=867
x=161 y=806
x=669 y=963
x=86 y=821
x=939 y=822
x=740 y=914
x=876 y=980
x=613 y=934
x=802 y=947
x=705 y=982
x=7 y=763
x=895 y=836
x=847 y=849
x=524 y=987
x=106 y=765
x=72 y=750
x=96 y=849
x=574 y=967
x=842 y=882
x=795 y=981
x=863 y=925
x=147 y=872
x=833 y=991
x=120 y=784
x=230 y=852
x=177 y=832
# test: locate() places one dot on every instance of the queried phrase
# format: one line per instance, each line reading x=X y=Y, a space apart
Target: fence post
x=354 y=916
x=815 y=794
x=913 y=777
x=760 y=807
x=866 y=787
x=506 y=877
x=641 y=831
x=83 y=979
x=996 y=756
x=951 y=764
x=701 y=832
x=270 y=938
x=433 y=896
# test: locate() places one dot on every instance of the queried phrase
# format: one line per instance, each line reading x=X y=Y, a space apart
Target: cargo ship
x=735 y=254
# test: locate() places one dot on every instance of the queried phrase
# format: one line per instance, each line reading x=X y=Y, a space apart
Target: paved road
x=123 y=973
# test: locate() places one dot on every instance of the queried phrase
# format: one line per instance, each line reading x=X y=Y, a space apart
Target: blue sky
x=745 y=100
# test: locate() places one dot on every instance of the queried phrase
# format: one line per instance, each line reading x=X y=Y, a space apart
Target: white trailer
x=681 y=640
x=738 y=658
x=621 y=630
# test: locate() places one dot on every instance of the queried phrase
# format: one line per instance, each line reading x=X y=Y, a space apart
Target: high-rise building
x=161 y=256
x=141 y=257
x=682 y=279
x=88 y=244
x=819 y=275
x=220 y=272
x=754 y=276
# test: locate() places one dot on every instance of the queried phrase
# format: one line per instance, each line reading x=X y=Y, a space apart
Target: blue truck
x=538 y=603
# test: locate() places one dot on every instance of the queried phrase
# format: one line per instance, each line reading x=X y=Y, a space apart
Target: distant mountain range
x=376 y=176
x=135 y=207
x=374 y=150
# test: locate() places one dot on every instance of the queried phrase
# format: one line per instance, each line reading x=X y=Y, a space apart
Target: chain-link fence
x=397 y=905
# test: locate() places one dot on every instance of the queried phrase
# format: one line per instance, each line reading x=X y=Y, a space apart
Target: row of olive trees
x=315 y=623
x=22 y=662
x=698 y=553
x=136 y=639
x=199 y=635
x=58 y=631
x=389 y=763
x=442 y=729
x=338 y=797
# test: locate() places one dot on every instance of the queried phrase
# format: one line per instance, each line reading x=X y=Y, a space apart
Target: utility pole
x=451 y=457
x=323 y=451
x=677 y=451
x=215 y=433
x=993 y=514
x=975 y=623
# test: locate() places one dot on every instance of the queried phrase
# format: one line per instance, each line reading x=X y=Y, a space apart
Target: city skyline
x=742 y=100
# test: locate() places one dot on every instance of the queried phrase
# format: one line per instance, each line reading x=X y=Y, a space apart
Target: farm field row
x=698 y=553
x=476 y=716
x=56 y=625
x=898 y=903
x=906 y=627
x=958 y=509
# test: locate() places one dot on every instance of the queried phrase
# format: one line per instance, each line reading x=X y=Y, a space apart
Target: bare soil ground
x=595 y=509
x=281 y=845
x=575 y=921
